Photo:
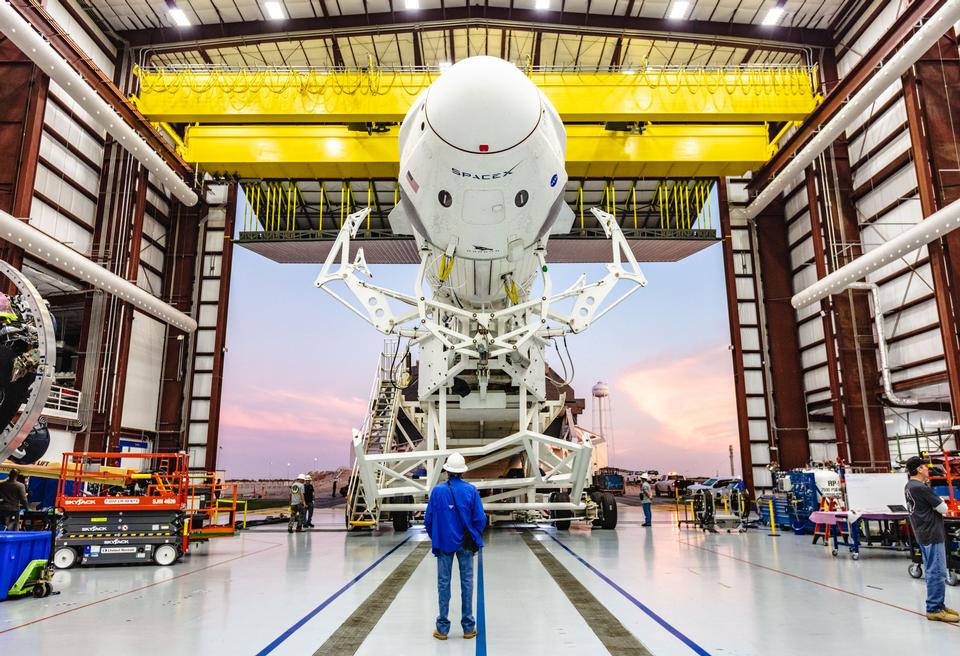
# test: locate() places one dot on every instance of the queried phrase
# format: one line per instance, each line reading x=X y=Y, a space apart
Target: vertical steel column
x=23 y=98
x=932 y=98
x=179 y=279
x=220 y=346
x=826 y=312
x=786 y=369
x=733 y=314
x=857 y=353
x=126 y=309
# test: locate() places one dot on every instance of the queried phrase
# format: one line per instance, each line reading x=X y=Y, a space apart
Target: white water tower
x=603 y=415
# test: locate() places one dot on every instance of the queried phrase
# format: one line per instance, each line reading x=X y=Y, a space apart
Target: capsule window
x=445 y=198
x=521 y=198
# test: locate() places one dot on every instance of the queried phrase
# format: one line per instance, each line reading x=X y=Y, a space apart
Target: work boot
x=467 y=635
x=289 y=529
x=438 y=635
x=943 y=616
x=951 y=611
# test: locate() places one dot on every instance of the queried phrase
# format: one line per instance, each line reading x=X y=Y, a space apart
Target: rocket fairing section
x=482 y=180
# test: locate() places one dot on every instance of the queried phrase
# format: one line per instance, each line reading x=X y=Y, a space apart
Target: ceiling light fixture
x=274 y=10
x=774 y=14
x=178 y=17
x=543 y=4
x=412 y=4
x=679 y=9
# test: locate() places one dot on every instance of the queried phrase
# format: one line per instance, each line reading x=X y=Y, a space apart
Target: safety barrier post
x=773 y=520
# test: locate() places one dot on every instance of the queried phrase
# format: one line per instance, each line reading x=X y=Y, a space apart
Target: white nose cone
x=482 y=178
x=483 y=105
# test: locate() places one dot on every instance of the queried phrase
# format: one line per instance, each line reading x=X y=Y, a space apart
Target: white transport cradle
x=481 y=187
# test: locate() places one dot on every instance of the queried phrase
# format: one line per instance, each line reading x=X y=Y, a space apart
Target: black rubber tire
x=953 y=577
x=608 y=511
x=563 y=517
x=401 y=521
x=915 y=570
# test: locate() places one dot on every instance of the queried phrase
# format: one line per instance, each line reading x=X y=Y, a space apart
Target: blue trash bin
x=17 y=549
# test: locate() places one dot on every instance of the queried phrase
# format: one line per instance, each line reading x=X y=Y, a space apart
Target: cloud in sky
x=676 y=413
x=267 y=428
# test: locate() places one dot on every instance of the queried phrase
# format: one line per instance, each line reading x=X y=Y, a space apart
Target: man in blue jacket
x=455 y=521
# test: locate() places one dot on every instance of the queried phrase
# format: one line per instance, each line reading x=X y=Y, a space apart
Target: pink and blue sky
x=299 y=368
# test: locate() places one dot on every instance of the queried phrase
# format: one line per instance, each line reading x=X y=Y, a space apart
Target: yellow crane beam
x=333 y=152
x=242 y=96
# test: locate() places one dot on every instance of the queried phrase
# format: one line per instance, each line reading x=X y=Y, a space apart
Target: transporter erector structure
x=481 y=186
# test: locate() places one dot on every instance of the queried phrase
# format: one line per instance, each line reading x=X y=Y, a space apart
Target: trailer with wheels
x=122 y=508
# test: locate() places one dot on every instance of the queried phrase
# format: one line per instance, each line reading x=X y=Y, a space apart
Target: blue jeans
x=444 y=569
x=647 y=515
x=935 y=566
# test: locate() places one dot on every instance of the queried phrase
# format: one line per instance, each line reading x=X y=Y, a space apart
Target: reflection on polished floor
x=674 y=591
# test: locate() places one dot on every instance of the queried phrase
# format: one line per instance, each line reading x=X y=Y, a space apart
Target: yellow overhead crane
x=290 y=123
x=734 y=94
x=333 y=152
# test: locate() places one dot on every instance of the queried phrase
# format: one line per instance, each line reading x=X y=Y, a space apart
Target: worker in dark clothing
x=13 y=494
x=926 y=518
x=308 y=499
x=455 y=521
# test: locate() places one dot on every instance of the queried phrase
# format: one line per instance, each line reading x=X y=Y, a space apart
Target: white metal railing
x=63 y=403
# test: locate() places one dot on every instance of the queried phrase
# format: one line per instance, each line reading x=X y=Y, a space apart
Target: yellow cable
x=446 y=267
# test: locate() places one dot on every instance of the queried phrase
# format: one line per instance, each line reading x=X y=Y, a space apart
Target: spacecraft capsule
x=482 y=178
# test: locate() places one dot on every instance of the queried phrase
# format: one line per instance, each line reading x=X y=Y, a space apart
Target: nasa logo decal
x=553 y=180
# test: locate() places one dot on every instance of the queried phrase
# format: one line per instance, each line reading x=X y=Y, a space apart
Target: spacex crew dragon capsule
x=482 y=178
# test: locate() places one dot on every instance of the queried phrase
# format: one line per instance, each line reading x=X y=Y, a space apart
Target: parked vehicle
x=609 y=480
x=719 y=486
x=667 y=484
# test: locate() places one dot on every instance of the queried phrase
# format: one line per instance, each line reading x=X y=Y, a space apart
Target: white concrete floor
x=679 y=591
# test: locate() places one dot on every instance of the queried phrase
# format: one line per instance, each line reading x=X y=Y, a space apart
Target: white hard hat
x=455 y=463
x=303 y=477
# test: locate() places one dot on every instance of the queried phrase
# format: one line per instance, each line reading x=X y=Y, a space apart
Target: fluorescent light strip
x=543 y=4
x=412 y=4
x=679 y=9
x=274 y=10
x=178 y=17
x=773 y=16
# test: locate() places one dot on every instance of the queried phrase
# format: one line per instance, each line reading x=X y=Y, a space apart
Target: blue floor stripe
x=326 y=602
x=697 y=649
x=481 y=611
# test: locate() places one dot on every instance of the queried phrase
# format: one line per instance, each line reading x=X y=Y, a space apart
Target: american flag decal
x=413 y=183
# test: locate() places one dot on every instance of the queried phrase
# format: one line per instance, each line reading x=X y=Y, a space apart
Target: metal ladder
x=378 y=433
